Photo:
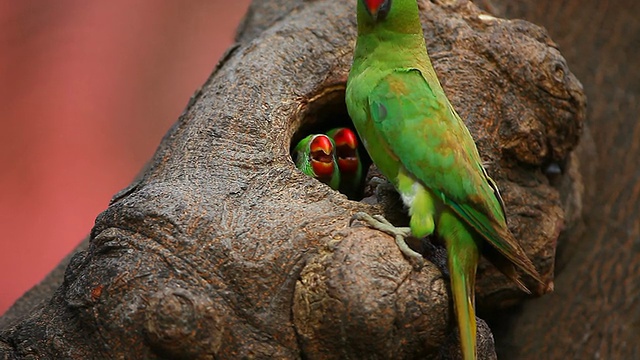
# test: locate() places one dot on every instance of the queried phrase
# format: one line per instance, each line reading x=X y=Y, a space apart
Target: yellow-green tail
x=462 y=256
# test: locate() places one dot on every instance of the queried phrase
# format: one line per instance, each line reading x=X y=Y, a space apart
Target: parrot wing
x=421 y=129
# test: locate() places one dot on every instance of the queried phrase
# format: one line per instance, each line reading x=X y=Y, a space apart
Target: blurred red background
x=87 y=90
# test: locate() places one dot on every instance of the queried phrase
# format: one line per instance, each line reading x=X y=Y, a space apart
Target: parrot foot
x=378 y=222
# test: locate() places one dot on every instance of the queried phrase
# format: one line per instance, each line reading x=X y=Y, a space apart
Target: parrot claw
x=382 y=220
x=378 y=222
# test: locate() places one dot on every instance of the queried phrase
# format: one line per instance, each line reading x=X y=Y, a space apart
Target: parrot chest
x=410 y=193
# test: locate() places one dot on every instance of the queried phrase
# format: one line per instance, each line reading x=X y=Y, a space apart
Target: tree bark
x=223 y=249
x=595 y=309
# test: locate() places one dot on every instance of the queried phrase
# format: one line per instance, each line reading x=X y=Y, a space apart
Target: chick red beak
x=322 y=156
x=321 y=144
x=346 y=146
x=345 y=137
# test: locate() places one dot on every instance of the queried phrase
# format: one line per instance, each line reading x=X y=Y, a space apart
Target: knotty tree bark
x=222 y=249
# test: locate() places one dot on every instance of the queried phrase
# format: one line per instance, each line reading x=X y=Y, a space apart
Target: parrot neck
x=403 y=18
x=390 y=50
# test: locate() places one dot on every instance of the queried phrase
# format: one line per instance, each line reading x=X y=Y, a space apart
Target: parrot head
x=377 y=9
x=394 y=15
x=347 y=150
x=321 y=156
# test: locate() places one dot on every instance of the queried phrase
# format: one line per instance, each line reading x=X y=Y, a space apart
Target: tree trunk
x=594 y=312
x=223 y=249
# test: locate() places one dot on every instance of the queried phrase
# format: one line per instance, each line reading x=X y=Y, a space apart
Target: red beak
x=373 y=6
x=346 y=137
x=322 y=156
x=346 y=146
x=321 y=143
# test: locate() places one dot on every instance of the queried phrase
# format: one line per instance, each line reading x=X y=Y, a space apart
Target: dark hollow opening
x=323 y=113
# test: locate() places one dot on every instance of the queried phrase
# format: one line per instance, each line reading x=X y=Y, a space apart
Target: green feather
x=416 y=139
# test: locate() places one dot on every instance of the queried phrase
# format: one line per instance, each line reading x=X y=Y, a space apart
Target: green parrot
x=315 y=155
x=349 y=161
x=419 y=142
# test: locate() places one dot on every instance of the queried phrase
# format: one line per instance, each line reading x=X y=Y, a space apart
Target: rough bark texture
x=594 y=312
x=222 y=249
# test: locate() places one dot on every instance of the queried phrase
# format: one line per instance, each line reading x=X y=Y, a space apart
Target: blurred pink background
x=87 y=90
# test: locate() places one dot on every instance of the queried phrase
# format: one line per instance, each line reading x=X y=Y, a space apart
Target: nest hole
x=327 y=111
x=321 y=113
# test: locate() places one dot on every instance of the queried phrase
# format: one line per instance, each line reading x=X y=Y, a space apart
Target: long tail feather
x=463 y=256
